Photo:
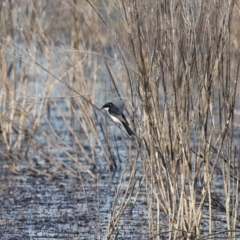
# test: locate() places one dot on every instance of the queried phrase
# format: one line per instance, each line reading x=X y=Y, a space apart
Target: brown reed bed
x=174 y=65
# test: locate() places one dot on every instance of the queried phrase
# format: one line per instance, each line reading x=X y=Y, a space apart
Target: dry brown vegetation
x=174 y=65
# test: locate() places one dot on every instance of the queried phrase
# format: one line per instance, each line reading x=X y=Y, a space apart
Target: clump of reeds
x=177 y=74
x=182 y=71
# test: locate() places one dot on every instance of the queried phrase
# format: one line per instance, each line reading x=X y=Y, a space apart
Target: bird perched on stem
x=117 y=116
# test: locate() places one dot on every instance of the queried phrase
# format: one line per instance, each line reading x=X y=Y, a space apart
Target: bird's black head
x=107 y=105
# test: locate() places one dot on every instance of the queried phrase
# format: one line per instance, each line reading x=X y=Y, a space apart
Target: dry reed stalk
x=179 y=78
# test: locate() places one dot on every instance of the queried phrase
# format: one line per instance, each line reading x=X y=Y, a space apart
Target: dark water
x=37 y=207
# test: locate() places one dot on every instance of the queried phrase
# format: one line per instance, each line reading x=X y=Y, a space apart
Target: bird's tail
x=128 y=129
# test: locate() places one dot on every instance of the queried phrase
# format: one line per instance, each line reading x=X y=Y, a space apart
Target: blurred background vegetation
x=174 y=68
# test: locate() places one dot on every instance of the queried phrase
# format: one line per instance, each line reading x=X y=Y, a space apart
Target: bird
x=117 y=116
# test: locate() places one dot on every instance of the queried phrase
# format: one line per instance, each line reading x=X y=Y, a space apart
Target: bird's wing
x=120 y=116
x=123 y=119
x=114 y=111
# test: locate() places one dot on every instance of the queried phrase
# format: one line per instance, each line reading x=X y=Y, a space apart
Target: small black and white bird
x=117 y=116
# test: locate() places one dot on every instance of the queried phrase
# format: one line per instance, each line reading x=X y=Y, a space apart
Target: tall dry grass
x=44 y=79
x=182 y=70
x=174 y=66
